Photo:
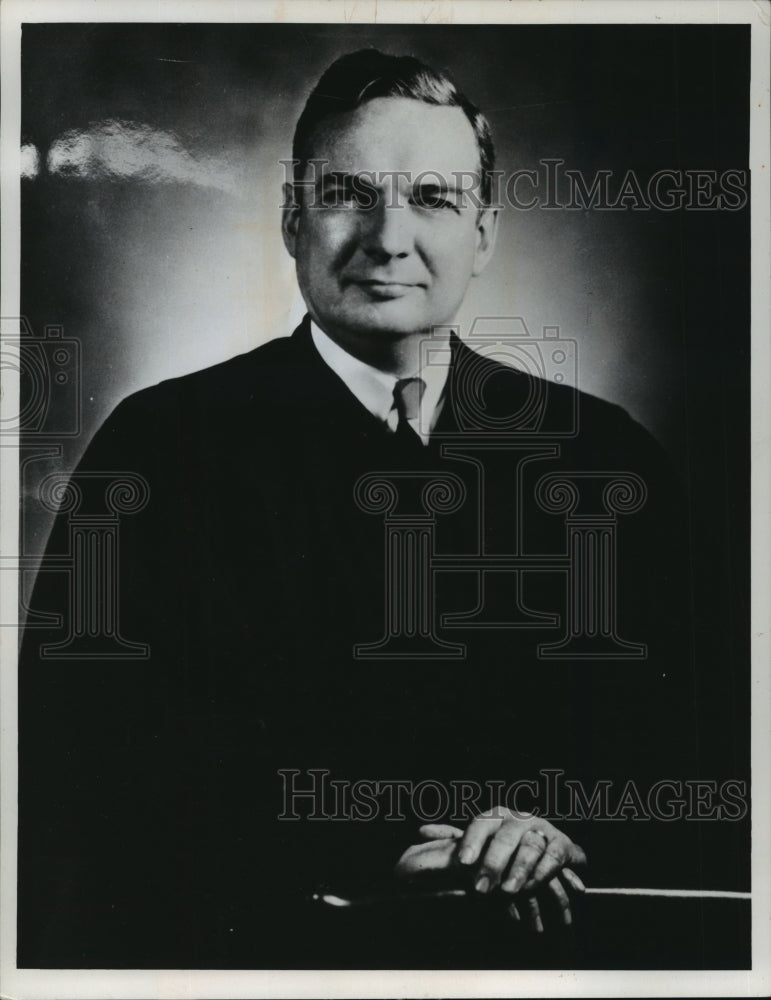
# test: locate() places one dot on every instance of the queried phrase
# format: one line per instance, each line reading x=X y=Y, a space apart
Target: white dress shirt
x=375 y=389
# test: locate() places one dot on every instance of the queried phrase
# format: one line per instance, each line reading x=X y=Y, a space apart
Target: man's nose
x=387 y=232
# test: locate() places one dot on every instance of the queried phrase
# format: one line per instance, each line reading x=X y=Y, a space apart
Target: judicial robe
x=252 y=592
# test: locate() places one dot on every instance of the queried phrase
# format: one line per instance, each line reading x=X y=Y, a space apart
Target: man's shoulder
x=198 y=409
x=232 y=380
x=248 y=382
x=508 y=396
x=508 y=404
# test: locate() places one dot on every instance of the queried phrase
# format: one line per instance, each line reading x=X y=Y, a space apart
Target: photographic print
x=378 y=399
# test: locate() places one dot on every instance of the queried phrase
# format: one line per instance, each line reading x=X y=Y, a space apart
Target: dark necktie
x=408 y=393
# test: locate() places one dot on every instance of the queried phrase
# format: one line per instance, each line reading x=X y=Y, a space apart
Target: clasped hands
x=520 y=856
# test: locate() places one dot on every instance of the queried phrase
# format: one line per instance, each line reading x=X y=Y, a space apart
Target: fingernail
x=513 y=884
x=539 y=925
x=574 y=881
x=483 y=884
x=567 y=917
x=514 y=912
x=466 y=856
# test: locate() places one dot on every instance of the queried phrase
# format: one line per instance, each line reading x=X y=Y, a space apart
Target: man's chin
x=385 y=320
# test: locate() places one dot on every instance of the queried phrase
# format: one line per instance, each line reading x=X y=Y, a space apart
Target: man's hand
x=521 y=855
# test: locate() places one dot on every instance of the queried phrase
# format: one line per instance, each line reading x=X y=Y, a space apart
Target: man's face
x=386 y=243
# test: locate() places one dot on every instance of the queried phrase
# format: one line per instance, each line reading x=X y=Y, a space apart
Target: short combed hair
x=361 y=76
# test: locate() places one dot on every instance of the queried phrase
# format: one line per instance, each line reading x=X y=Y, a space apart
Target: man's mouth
x=386 y=288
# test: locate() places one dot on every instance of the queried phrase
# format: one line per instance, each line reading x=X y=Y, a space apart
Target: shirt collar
x=375 y=389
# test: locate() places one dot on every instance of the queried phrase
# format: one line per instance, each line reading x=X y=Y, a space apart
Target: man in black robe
x=364 y=550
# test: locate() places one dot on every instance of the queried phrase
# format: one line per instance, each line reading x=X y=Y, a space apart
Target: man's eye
x=347 y=193
x=340 y=194
x=435 y=199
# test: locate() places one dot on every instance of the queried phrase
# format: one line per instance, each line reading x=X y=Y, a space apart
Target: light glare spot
x=30 y=161
x=115 y=150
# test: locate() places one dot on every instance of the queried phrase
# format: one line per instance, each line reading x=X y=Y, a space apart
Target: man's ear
x=290 y=217
x=487 y=230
